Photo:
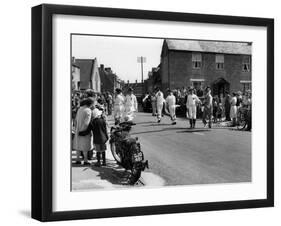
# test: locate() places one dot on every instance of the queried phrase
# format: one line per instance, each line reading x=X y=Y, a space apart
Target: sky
x=119 y=53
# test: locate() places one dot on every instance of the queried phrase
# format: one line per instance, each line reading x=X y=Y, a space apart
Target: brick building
x=224 y=66
x=153 y=80
x=109 y=80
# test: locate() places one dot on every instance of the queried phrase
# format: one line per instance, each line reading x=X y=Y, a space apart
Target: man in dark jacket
x=227 y=107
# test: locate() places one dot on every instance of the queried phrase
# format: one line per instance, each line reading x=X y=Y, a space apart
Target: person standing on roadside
x=233 y=109
x=109 y=101
x=227 y=107
x=118 y=106
x=208 y=108
x=98 y=128
x=131 y=105
x=82 y=121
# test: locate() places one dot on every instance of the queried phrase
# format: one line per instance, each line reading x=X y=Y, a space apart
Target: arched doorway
x=220 y=86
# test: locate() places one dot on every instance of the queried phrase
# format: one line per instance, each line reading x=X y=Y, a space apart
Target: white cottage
x=75 y=72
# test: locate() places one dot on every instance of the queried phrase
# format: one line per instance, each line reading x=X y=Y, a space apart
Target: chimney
x=136 y=81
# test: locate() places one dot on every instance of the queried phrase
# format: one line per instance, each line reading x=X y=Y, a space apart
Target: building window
x=196 y=60
x=219 y=61
x=246 y=85
x=246 y=64
x=198 y=85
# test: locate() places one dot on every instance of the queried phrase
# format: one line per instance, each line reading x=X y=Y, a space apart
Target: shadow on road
x=157 y=124
x=112 y=173
x=158 y=131
x=141 y=123
x=194 y=130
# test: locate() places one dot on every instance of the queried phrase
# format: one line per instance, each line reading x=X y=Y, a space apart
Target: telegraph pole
x=142 y=60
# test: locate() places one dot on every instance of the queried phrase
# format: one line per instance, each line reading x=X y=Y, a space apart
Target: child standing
x=99 y=130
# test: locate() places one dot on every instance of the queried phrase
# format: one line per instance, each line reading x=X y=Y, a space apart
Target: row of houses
x=86 y=74
x=224 y=66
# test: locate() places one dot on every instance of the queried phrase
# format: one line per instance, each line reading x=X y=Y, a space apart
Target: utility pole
x=142 y=60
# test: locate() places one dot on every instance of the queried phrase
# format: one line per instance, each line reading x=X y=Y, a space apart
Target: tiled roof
x=86 y=67
x=210 y=46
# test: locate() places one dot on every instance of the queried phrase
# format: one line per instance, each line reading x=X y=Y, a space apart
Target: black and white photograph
x=153 y=112
x=142 y=112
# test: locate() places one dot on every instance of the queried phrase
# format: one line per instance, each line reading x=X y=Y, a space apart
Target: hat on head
x=96 y=113
x=118 y=90
x=130 y=89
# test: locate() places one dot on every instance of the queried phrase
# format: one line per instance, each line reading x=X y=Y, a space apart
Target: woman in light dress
x=82 y=121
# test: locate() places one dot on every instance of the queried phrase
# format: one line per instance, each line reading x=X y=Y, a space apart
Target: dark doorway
x=220 y=86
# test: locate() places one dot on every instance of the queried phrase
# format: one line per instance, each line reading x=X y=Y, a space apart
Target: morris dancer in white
x=191 y=104
x=131 y=105
x=118 y=106
x=233 y=109
x=171 y=106
x=159 y=103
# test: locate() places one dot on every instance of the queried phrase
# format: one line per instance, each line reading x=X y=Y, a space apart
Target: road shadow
x=142 y=123
x=77 y=165
x=231 y=128
x=158 y=131
x=194 y=130
x=112 y=173
x=157 y=124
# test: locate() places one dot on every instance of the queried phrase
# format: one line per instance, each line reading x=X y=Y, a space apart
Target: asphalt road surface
x=183 y=156
x=177 y=156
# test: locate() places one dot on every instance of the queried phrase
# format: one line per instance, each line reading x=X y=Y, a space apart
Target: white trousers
x=118 y=112
x=129 y=113
x=172 y=111
x=159 y=108
x=192 y=112
x=233 y=112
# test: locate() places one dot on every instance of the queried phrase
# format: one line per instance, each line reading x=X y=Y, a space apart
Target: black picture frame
x=42 y=111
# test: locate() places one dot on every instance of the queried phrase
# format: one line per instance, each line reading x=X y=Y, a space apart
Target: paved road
x=194 y=156
x=178 y=156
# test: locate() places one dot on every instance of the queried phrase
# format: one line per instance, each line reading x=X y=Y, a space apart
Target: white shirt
x=119 y=100
x=171 y=100
x=131 y=102
x=233 y=101
x=159 y=97
x=192 y=100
